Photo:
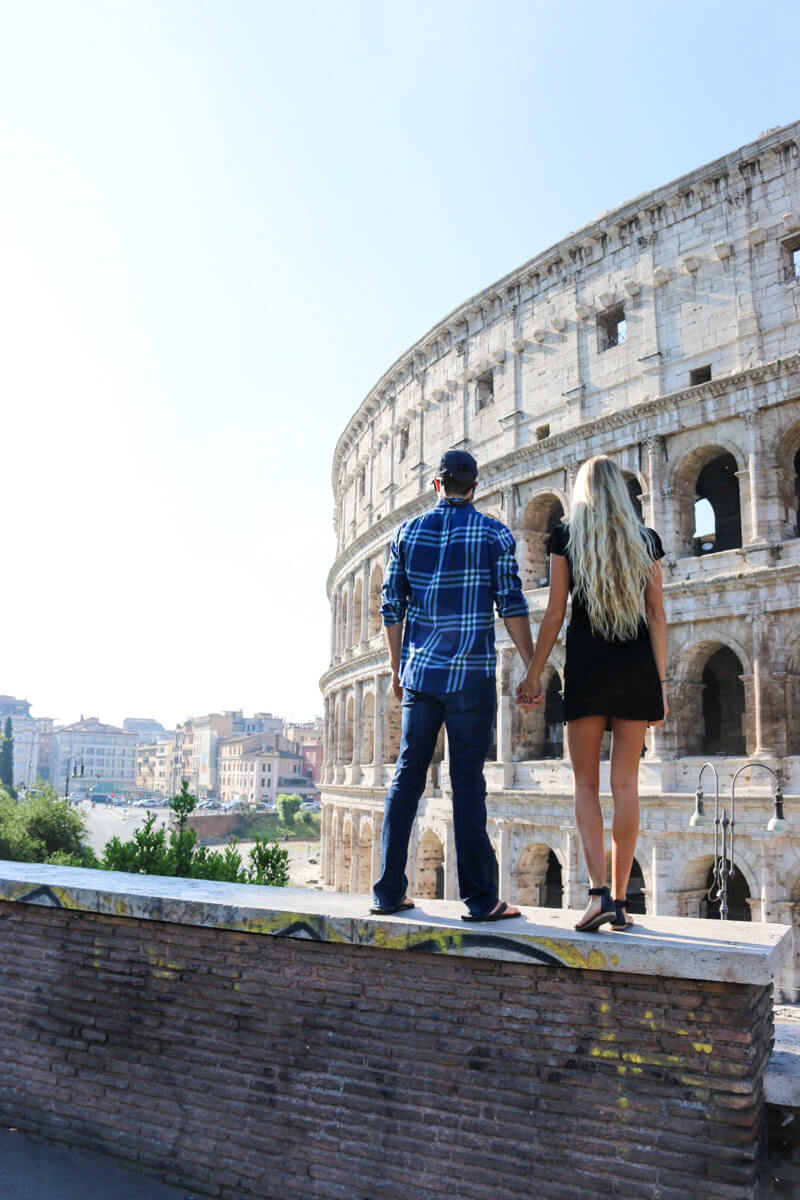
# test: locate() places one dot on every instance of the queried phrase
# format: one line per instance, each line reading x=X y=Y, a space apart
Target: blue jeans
x=468 y=717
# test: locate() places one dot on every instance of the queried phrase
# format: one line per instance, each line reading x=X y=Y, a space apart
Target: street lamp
x=723 y=862
x=74 y=759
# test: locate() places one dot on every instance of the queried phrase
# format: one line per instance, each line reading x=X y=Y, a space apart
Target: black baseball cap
x=457 y=465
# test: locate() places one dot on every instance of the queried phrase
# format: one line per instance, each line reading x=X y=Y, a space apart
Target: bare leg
x=627 y=739
x=585 y=737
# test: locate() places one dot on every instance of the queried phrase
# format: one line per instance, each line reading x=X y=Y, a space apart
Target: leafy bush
x=153 y=851
x=43 y=828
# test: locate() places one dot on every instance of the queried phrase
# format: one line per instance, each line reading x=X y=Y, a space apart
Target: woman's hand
x=666 y=706
x=529 y=692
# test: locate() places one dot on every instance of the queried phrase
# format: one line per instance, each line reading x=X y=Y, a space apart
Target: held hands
x=397 y=690
x=529 y=693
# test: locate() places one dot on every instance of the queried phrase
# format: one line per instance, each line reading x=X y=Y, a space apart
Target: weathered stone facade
x=667 y=334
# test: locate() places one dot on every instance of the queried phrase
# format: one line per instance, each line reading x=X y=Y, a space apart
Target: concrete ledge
x=732 y=952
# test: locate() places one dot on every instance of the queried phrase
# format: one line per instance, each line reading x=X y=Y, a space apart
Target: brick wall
x=250 y=1066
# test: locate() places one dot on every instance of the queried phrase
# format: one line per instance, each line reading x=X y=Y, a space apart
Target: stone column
x=759 y=686
x=338 y=851
x=358 y=695
x=379 y=754
x=334 y=624
x=444 y=769
x=450 y=869
x=572 y=881
x=751 y=420
x=350 y=585
x=365 y=605
x=377 y=832
x=355 y=854
x=655 y=483
x=504 y=859
x=656 y=899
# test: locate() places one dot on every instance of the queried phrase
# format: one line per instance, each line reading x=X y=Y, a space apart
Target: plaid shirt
x=447 y=569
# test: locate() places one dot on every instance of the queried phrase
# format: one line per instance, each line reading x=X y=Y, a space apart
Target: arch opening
x=348 y=732
x=368 y=728
x=738 y=895
x=718 y=486
x=634 y=487
x=375 y=586
x=357 y=605
x=365 y=858
x=539 y=877
x=723 y=705
x=430 y=867
x=540 y=518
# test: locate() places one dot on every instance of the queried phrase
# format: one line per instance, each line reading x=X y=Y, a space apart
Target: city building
x=255 y=768
x=105 y=754
x=667 y=334
x=145 y=728
x=153 y=767
x=25 y=733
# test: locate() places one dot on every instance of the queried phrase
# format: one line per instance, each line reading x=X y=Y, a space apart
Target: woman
x=615 y=667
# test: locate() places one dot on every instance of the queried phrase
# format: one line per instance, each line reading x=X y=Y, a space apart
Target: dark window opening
x=791 y=258
x=699 y=375
x=484 y=390
x=439 y=882
x=634 y=491
x=612 y=328
x=491 y=755
x=403 y=444
x=723 y=705
x=551 y=891
x=635 y=893
x=717 y=483
x=362 y=484
x=797 y=491
x=542 y=432
x=738 y=895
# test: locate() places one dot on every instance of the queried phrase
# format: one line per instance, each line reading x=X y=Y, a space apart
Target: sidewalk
x=34 y=1170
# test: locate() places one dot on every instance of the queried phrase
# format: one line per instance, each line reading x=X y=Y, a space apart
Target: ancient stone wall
x=667 y=333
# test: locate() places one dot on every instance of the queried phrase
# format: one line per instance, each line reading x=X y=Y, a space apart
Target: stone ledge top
x=679 y=948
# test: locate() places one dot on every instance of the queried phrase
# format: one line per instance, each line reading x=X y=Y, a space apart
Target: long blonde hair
x=610 y=559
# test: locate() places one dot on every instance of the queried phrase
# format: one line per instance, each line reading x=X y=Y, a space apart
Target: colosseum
x=666 y=333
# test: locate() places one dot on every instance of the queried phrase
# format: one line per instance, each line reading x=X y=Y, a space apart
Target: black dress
x=608 y=678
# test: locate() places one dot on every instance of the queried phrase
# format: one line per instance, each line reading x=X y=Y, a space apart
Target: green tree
x=288 y=805
x=7 y=760
x=43 y=828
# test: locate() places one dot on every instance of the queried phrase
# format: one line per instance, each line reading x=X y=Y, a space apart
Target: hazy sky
x=219 y=224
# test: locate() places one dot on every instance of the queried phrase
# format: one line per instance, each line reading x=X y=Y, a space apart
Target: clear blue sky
x=220 y=223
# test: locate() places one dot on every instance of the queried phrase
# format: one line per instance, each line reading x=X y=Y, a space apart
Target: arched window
x=540 y=518
x=708 y=509
x=430 y=867
x=635 y=492
x=365 y=858
x=717 y=484
x=342 y=620
x=723 y=704
x=539 y=881
x=738 y=895
x=348 y=732
x=368 y=728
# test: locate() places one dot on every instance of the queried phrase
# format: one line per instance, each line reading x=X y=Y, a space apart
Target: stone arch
x=358 y=596
x=539 y=733
x=786 y=458
x=394 y=719
x=365 y=856
x=710 y=702
x=491 y=505
x=430 y=866
x=709 y=472
x=375 y=586
x=637 y=889
x=636 y=490
x=348 y=730
x=368 y=728
x=696 y=880
x=542 y=513
x=539 y=877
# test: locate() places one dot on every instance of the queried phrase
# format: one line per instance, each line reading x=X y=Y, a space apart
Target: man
x=447 y=570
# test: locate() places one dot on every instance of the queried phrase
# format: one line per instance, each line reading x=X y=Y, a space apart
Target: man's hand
x=397 y=691
x=529 y=693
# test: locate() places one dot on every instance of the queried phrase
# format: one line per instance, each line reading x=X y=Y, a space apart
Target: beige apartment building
x=255 y=768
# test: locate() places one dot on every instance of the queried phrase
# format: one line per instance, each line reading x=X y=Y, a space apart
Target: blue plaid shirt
x=447 y=570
